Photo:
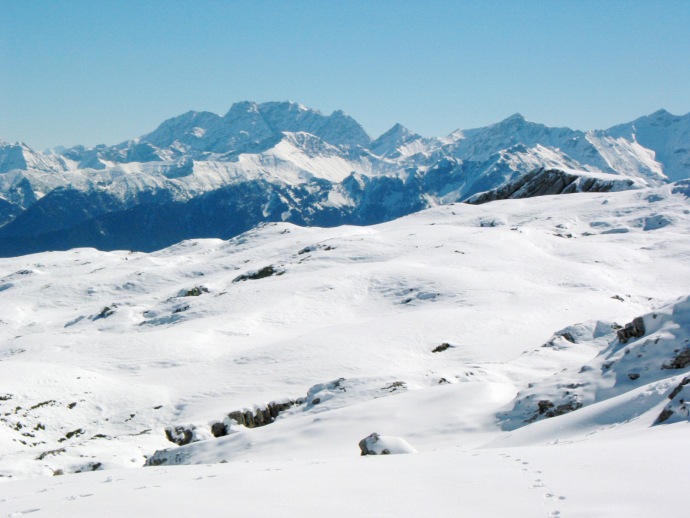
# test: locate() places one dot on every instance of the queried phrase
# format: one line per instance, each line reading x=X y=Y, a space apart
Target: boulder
x=376 y=444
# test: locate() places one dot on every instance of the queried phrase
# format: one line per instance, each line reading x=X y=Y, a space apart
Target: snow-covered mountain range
x=205 y=175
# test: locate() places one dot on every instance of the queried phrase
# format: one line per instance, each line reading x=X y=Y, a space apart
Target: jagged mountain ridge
x=311 y=168
x=668 y=135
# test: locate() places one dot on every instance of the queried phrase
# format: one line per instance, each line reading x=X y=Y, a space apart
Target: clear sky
x=90 y=72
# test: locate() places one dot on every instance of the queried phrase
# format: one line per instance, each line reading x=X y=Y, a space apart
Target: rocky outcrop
x=542 y=182
x=194 y=292
x=681 y=360
x=634 y=329
x=266 y=271
x=262 y=416
x=546 y=408
x=180 y=435
x=648 y=350
x=249 y=418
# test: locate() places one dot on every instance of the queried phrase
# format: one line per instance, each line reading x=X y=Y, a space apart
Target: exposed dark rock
x=364 y=444
x=266 y=271
x=106 y=312
x=665 y=415
x=261 y=416
x=541 y=182
x=548 y=409
x=91 y=466
x=680 y=386
x=634 y=329
x=569 y=337
x=196 y=291
x=679 y=406
x=396 y=385
x=50 y=402
x=313 y=248
x=73 y=433
x=633 y=376
x=219 y=430
x=441 y=348
x=179 y=435
x=51 y=453
x=681 y=360
x=544 y=405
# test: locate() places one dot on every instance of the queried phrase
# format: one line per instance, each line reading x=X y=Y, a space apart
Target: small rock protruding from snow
x=376 y=444
x=440 y=348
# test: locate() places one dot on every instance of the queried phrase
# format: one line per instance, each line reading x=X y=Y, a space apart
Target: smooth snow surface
x=100 y=353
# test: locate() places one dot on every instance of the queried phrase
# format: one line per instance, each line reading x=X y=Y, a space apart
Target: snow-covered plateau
x=517 y=358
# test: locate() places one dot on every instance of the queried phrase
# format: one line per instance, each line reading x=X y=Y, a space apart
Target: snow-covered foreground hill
x=487 y=337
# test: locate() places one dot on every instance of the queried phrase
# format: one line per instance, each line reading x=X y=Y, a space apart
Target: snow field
x=127 y=338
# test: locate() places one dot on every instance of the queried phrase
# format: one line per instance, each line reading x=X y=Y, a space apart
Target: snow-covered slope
x=596 y=151
x=424 y=328
x=667 y=135
x=19 y=156
x=401 y=142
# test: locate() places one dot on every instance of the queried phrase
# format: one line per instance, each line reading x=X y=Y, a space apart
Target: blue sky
x=85 y=72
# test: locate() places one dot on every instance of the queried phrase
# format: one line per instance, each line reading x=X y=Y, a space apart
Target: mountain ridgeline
x=205 y=175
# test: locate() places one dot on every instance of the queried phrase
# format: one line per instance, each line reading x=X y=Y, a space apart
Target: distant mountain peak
x=242 y=107
x=662 y=113
x=515 y=117
x=391 y=142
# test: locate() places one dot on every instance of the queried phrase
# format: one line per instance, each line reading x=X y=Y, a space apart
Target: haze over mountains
x=205 y=175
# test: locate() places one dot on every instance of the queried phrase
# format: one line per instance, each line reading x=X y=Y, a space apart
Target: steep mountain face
x=281 y=161
x=21 y=157
x=667 y=135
